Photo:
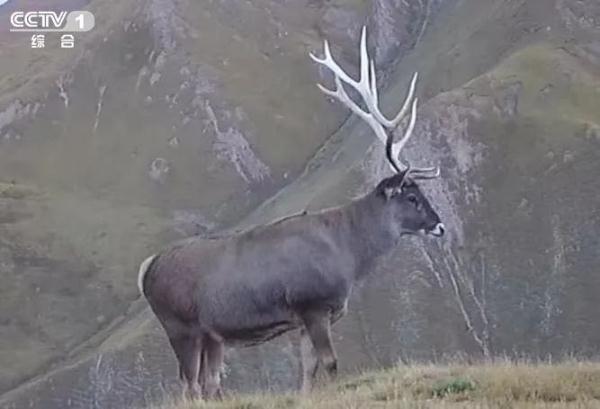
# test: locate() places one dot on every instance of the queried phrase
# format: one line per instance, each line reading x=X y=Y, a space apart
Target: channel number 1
x=81 y=20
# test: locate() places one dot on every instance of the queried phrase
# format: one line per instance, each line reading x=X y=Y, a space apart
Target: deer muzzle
x=438 y=230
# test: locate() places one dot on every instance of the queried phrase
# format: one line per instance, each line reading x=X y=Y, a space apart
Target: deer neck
x=370 y=234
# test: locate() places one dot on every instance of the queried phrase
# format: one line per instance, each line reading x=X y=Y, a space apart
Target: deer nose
x=438 y=230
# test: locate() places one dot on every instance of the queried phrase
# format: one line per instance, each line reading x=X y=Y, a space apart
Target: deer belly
x=254 y=330
x=257 y=335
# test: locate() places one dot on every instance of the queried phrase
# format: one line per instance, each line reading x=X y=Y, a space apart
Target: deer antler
x=366 y=86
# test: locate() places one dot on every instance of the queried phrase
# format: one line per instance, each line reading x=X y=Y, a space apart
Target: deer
x=292 y=274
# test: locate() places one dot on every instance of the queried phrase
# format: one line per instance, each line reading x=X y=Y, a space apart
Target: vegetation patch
x=15 y=191
x=354 y=384
x=453 y=387
x=571 y=385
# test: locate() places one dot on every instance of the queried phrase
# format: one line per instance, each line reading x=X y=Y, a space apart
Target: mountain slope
x=509 y=91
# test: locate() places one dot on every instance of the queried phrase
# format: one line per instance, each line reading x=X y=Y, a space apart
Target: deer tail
x=144 y=267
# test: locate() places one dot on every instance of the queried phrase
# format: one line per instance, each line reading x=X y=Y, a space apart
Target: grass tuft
x=499 y=385
x=453 y=386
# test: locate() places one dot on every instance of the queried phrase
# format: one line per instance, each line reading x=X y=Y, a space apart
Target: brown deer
x=295 y=273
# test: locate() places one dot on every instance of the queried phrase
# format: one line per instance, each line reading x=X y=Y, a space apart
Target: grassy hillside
x=498 y=385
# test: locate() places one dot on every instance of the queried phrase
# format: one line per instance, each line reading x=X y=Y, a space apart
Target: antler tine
x=392 y=159
x=393 y=149
x=340 y=93
x=379 y=130
x=374 y=83
x=425 y=173
x=409 y=97
x=366 y=86
x=367 y=83
x=330 y=63
x=416 y=173
x=386 y=137
x=398 y=146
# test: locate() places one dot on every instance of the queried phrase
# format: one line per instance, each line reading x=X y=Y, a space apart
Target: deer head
x=404 y=205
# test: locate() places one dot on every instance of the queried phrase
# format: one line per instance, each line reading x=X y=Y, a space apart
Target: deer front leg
x=318 y=328
x=213 y=366
x=309 y=361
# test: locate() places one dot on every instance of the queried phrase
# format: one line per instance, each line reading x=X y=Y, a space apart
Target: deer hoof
x=332 y=368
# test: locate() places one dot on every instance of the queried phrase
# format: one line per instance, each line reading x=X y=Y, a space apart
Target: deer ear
x=391 y=191
x=392 y=186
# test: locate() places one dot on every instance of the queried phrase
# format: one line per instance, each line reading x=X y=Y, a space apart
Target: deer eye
x=413 y=199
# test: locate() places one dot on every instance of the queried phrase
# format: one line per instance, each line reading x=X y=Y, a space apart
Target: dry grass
x=492 y=386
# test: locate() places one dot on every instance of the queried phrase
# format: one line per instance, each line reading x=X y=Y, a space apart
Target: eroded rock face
x=182 y=118
x=579 y=15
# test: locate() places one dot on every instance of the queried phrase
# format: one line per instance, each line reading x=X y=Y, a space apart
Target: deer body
x=246 y=289
x=296 y=273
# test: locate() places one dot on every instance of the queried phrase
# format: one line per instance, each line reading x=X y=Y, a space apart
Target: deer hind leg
x=309 y=361
x=214 y=353
x=202 y=368
x=187 y=348
x=318 y=327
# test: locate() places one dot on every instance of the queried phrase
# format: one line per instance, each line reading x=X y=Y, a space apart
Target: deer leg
x=202 y=370
x=318 y=327
x=309 y=360
x=213 y=366
x=187 y=349
x=175 y=342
